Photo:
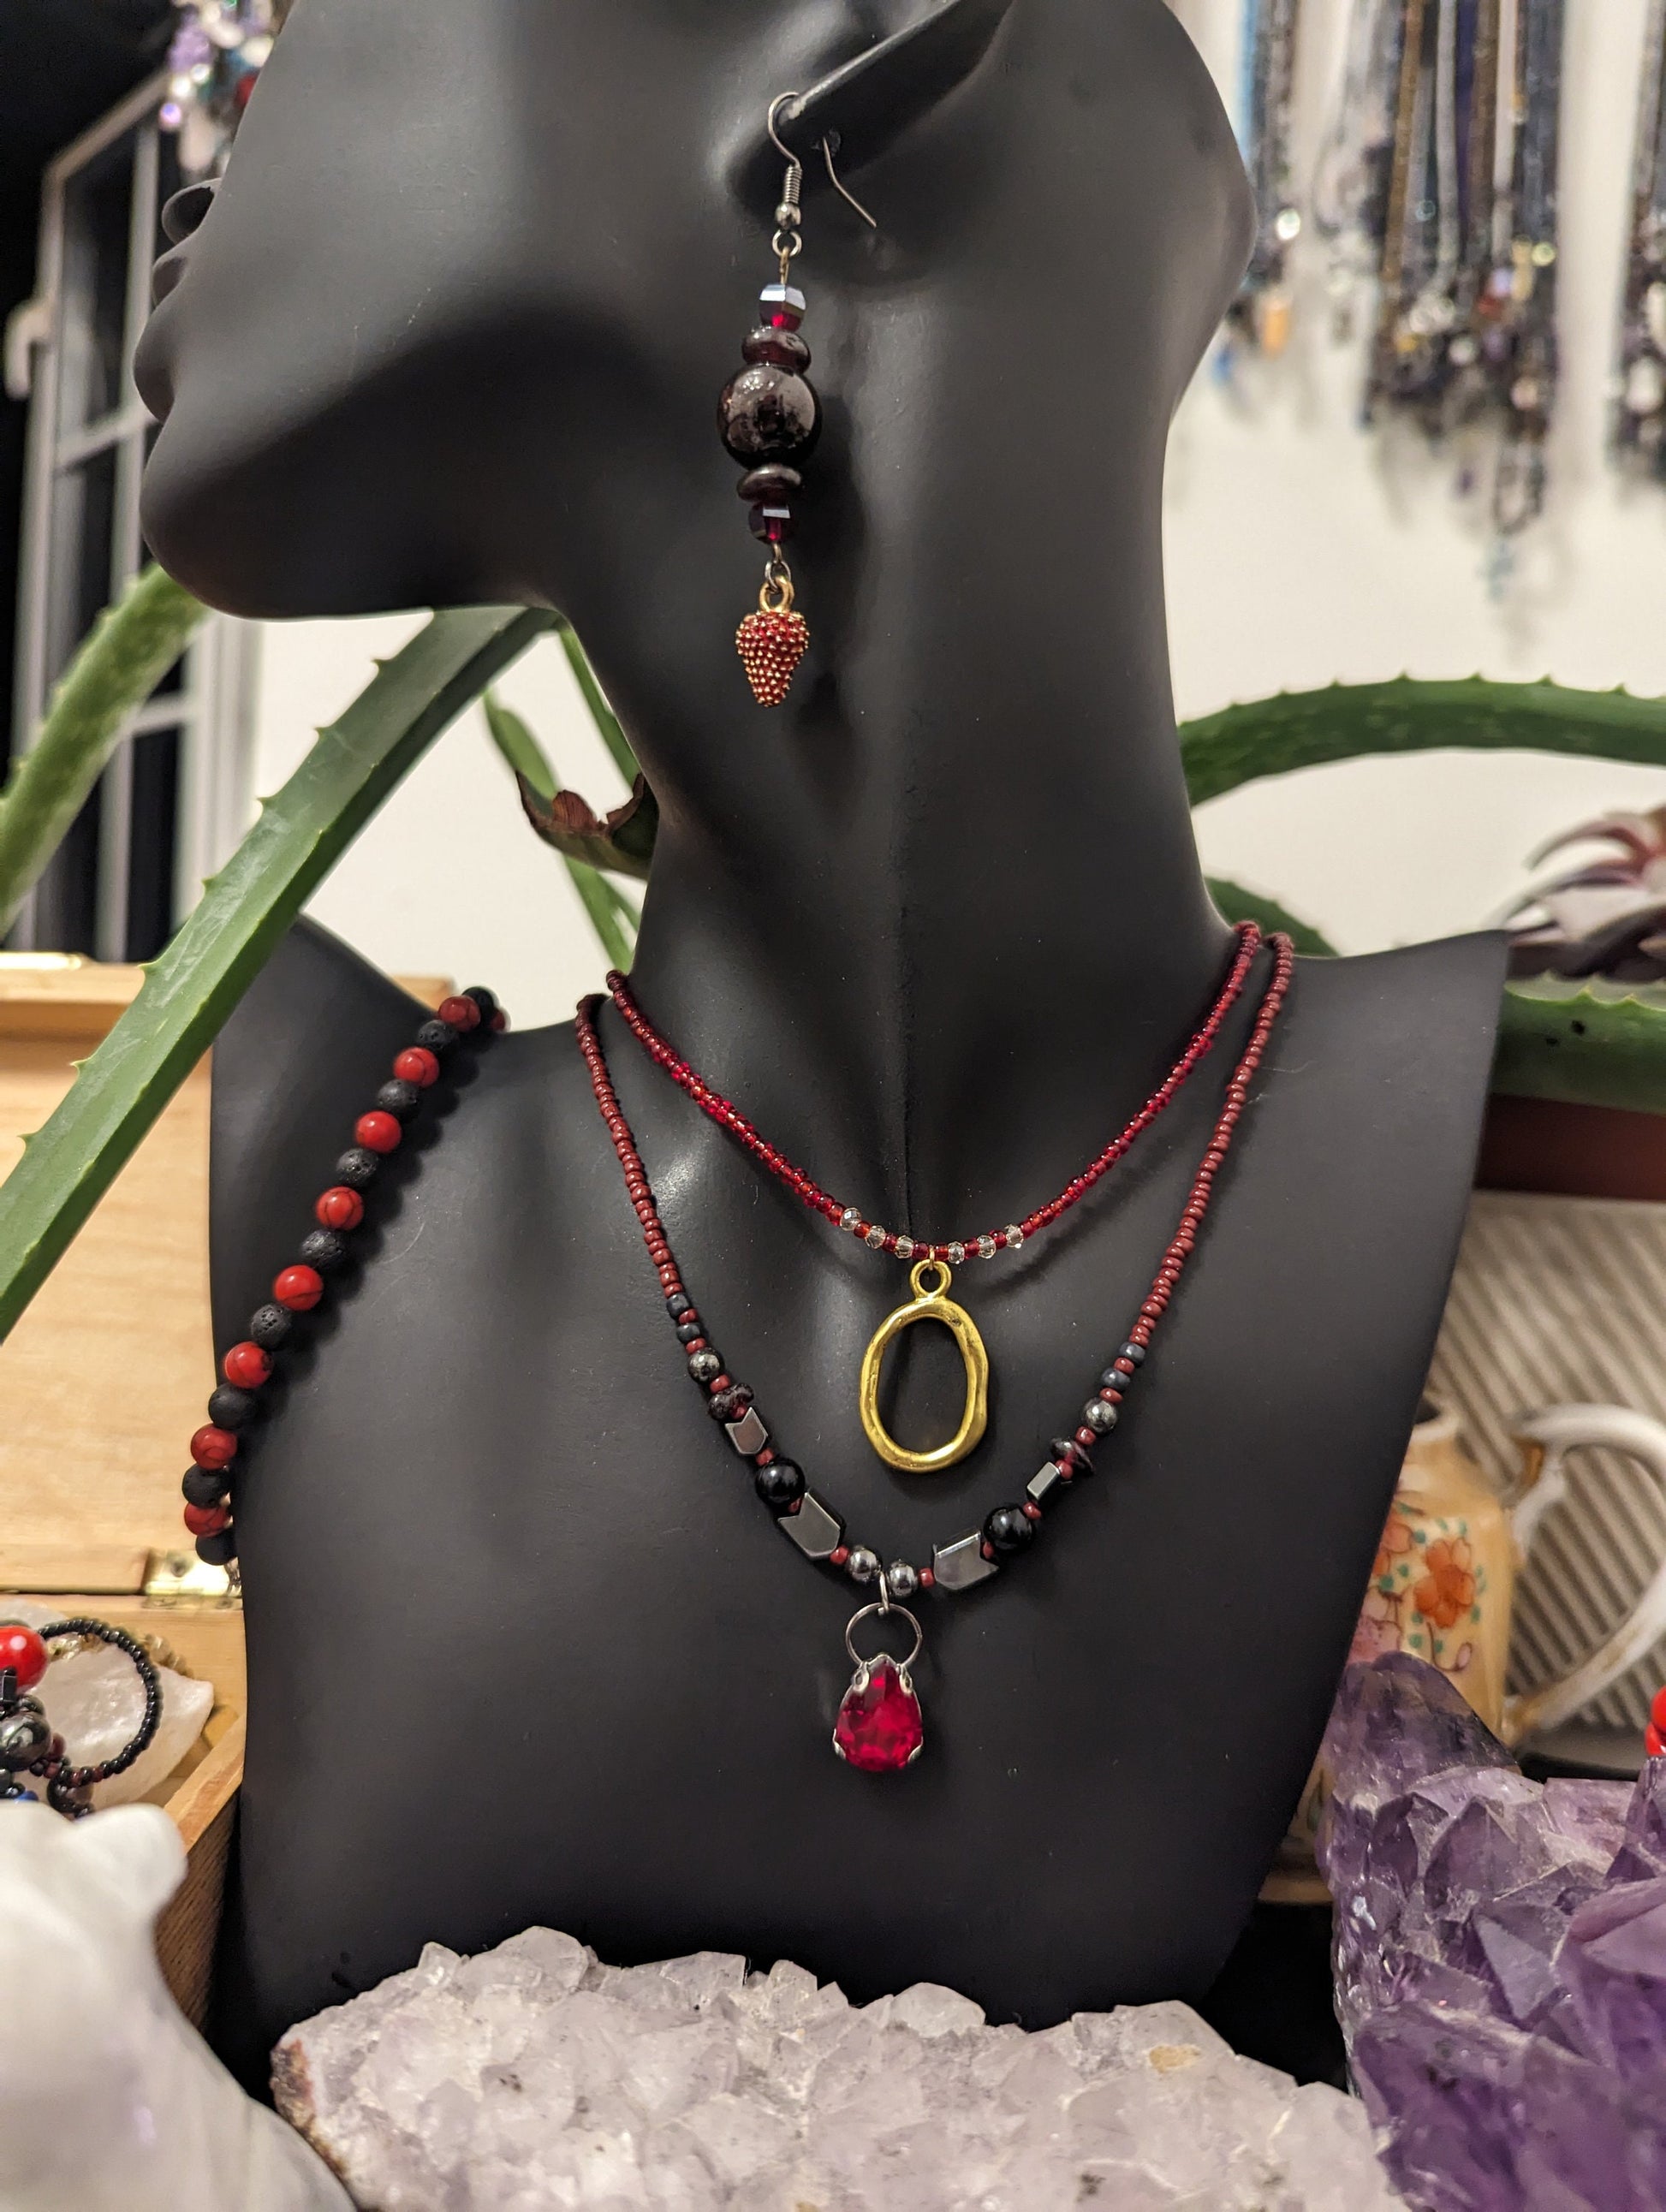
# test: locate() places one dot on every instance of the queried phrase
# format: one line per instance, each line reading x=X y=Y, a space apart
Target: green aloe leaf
x=131 y=648
x=607 y=722
x=1588 y=1041
x=607 y=908
x=1307 y=729
x=189 y=992
x=1238 y=904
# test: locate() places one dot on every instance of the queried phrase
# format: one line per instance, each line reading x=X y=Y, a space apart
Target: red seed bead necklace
x=879 y=1728
x=249 y=1366
x=899 y=1242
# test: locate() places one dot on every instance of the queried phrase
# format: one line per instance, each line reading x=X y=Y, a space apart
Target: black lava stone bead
x=399 y=1098
x=325 y=1249
x=205 y=1486
x=272 y=1328
x=218 y=1550
x=229 y=1407
x=485 y=999
x=767 y=414
x=437 y=1037
x=779 y=1484
x=1008 y=1528
x=358 y=1167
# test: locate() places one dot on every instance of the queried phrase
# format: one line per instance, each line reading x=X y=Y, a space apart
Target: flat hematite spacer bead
x=1042 y=1485
x=1099 y=1417
x=815 y=1529
x=748 y=1435
x=961 y=1565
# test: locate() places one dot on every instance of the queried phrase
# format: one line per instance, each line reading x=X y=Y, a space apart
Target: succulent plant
x=1606 y=916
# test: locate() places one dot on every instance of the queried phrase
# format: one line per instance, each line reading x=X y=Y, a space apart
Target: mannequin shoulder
x=1422 y=1012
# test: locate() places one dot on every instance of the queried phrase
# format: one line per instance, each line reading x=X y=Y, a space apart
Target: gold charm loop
x=934 y=1304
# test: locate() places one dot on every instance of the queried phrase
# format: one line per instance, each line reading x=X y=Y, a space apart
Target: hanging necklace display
x=1259 y=317
x=879 y=1727
x=1350 y=197
x=1640 y=415
x=936 y=1259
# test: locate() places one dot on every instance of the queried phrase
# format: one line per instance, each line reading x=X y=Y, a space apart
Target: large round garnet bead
x=767 y=414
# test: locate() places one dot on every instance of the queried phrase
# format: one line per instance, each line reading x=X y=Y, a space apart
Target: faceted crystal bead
x=781 y=305
x=986 y=1248
x=774 y=524
x=875 y=1238
x=905 y=1247
x=957 y=1255
x=1014 y=1237
x=880 y=1729
x=851 y=1219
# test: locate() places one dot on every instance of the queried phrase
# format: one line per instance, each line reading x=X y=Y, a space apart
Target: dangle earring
x=769 y=417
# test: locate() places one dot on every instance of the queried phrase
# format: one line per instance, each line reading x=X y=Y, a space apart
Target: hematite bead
x=729 y=1404
x=24 y=1734
x=1114 y=1379
x=779 y=1483
x=1042 y=1485
x=1136 y=1352
x=1099 y=1417
x=689 y=1331
x=205 y=1486
x=230 y=1408
x=785 y=349
x=1069 y=1453
x=325 y=1249
x=679 y=1304
x=218 y=1550
x=437 y=1037
x=772 y=485
x=863 y=1565
x=399 y=1098
x=900 y=1579
x=358 y=1167
x=705 y=1366
x=767 y=414
x=1009 y=1529
x=272 y=1328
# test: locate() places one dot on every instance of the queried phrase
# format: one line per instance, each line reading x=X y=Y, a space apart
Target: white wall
x=1300 y=549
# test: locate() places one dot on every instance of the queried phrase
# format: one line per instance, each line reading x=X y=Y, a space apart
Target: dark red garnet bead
x=299 y=1289
x=783 y=349
x=767 y=414
x=246 y=1366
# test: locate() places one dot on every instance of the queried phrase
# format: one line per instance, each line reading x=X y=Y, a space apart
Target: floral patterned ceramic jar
x=1444 y=1580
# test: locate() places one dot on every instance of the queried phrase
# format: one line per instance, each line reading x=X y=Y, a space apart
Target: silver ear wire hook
x=833 y=175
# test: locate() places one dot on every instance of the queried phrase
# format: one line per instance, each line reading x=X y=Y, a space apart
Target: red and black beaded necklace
x=879 y=1728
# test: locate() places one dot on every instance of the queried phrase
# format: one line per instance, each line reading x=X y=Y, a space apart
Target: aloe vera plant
x=131 y=648
x=612 y=915
x=188 y=993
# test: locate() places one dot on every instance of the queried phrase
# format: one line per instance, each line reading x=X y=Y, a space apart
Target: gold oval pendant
x=928 y=1305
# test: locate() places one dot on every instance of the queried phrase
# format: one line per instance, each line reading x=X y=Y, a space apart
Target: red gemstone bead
x=213 y=1448
x=207 y=1520
x=461 y=1014
x=500 y=1022
x=417 y=1064
x=377 y=1132
x=299 y=1289
x=1657 y=1711
x=1653 y=1742
x=838 y=1555
x=339 y=1207
x=879 y=1730
x=23 y=1651
x=247 y=1366
x=1031 y=1511
x=928 y=1579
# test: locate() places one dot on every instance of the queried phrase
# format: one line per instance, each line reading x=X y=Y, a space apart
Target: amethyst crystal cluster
x=1500 y=1957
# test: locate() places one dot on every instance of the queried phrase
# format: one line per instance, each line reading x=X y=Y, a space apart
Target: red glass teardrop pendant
x=879 y=1729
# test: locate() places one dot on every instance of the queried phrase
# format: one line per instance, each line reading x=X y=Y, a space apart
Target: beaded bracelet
x=27 y=1744
x=298 y=1289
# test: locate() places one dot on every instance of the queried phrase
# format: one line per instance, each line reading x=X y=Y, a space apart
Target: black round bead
x=272 y=1328
x=399 y=1098
x=785 y=349
x=205 y=1486
x=358 y=1167
x=773 y=485
x=325 y=1249
x=486 y=1001
x=779 y=1484
x=704 y=1366
x=437 y=1036
x=688 y=1329
x=218 y=1550
x=767 y=414
x=730 y=1405
x=1008 y=1528
x=231 y=1408
x=679 y=1304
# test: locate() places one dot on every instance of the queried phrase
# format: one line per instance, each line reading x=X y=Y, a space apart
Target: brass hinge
x=188 y=1584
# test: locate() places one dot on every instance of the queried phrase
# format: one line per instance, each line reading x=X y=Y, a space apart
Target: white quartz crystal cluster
x=532 y=2077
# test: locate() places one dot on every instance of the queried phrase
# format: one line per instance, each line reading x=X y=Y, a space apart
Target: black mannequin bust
x=523 y=1645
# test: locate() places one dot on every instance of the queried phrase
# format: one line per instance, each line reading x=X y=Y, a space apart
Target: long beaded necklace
x=879 y=1728
x=1640 y=415
x=932 y=1260
x=1260 y=316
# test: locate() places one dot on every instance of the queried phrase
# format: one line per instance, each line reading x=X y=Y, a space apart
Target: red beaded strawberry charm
x=772 y=640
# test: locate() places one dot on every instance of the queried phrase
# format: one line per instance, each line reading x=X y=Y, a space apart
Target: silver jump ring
x=902 y=1614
